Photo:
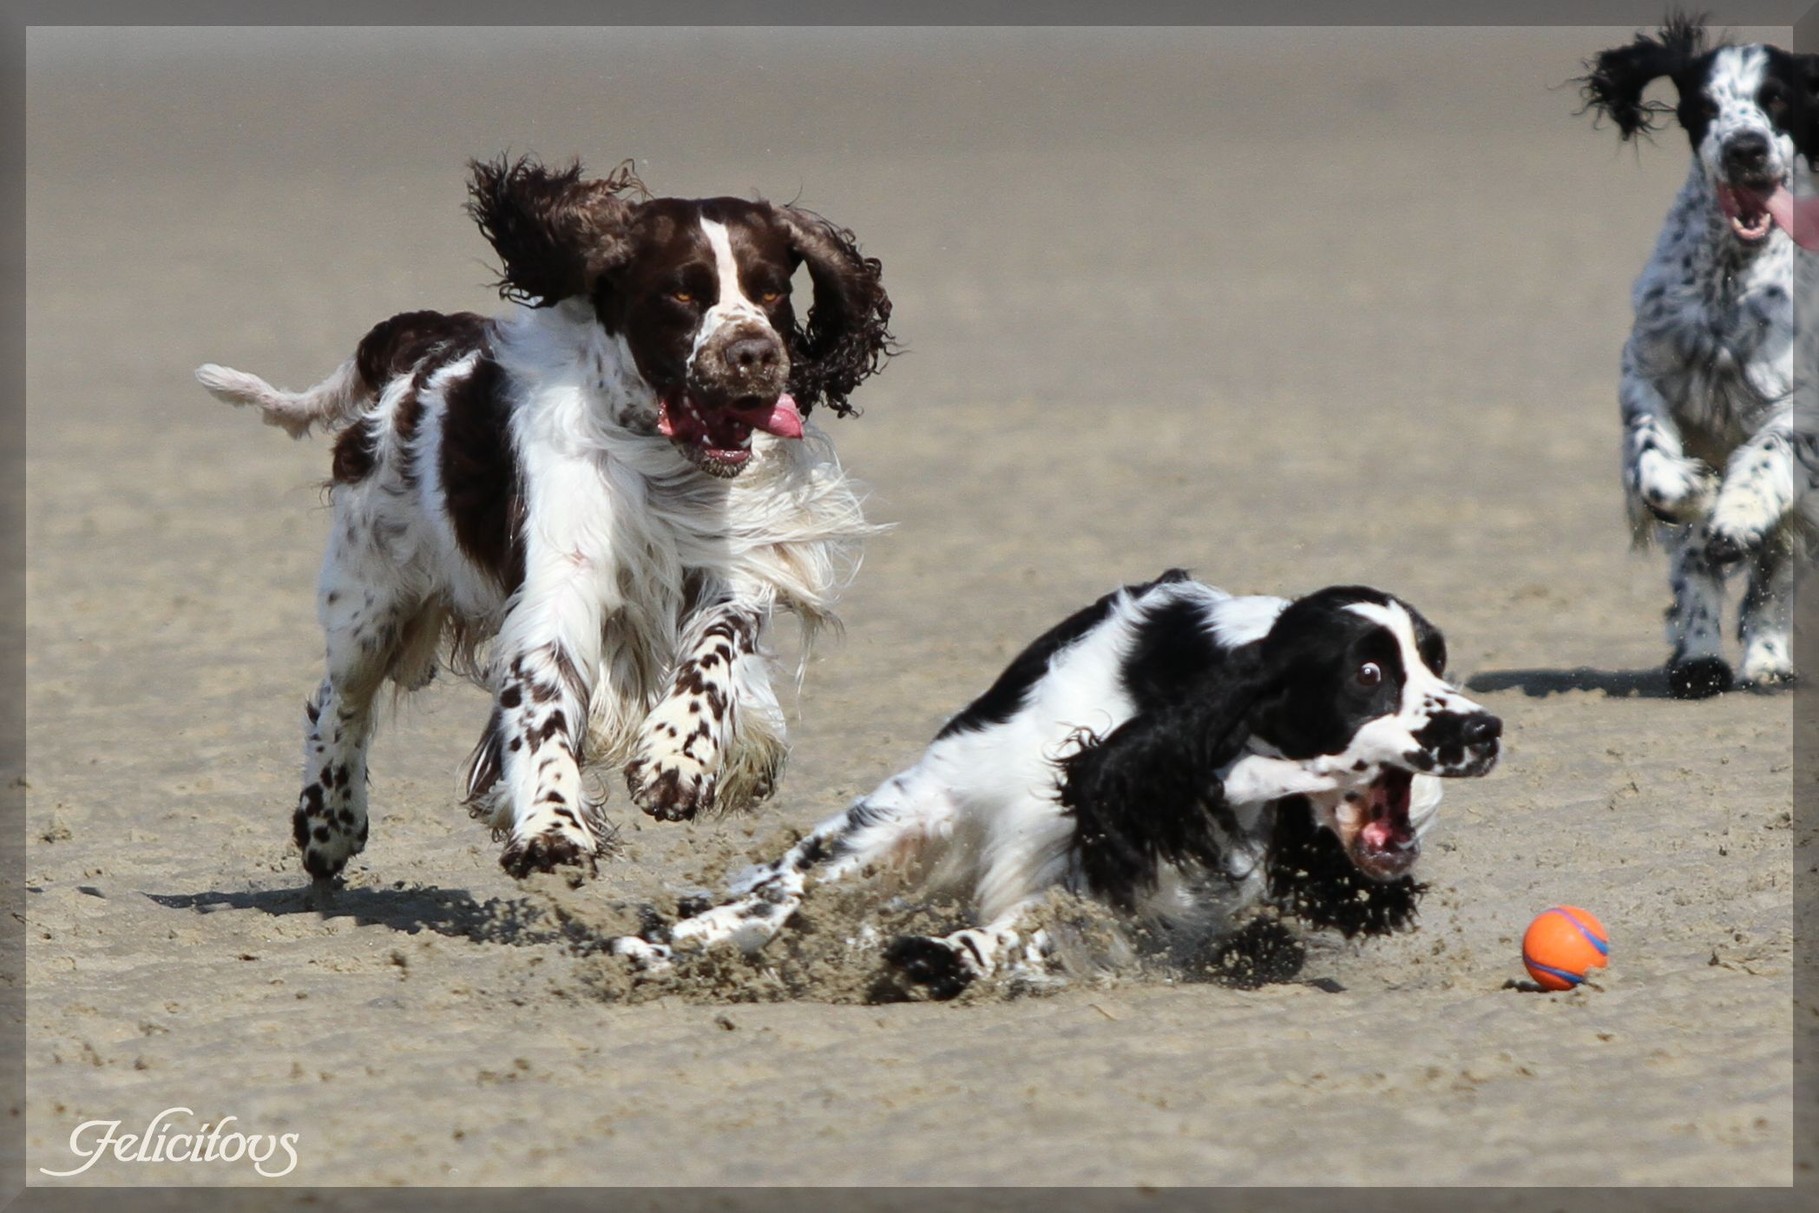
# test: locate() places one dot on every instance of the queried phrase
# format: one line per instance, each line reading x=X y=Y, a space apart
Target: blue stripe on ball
x=1603 y=948
x=1562 y=974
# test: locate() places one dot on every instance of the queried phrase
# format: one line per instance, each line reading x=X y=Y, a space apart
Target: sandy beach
x=1285 y=307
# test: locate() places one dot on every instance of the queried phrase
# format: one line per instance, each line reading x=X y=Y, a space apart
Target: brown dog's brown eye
x=770 y=297
x=682 y=296
x=1370 y=674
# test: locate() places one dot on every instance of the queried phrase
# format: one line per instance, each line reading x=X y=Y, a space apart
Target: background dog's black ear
x=555 y=233
x=1615 y=79
x=846 y=336
x=1149 y=793
x=1311 y=878
x=1805 y=124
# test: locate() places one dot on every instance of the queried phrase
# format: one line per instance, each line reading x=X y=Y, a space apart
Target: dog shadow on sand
x=1540 y=683
x=1615 y=684
x=407 y=909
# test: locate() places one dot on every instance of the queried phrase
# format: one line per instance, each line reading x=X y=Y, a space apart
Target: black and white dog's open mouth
x=1752 y=210
x=717 y=438
x=1375 y=826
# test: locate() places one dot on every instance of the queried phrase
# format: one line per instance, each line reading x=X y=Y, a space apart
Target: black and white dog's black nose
x=1458 y=743
x=1746 y=155
x=1480 y=729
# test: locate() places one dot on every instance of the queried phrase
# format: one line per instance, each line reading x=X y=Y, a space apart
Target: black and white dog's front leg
x=1755 y=496
x=1661 y=482
x=892 y=825
x=716 y=738
x=945 y=965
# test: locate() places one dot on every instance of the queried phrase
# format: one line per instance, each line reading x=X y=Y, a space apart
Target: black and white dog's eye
x=1370 y=674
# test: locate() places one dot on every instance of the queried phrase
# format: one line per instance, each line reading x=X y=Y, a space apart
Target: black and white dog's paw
x=1734 y=531
x=931 y=964
x=1767 y=666
x=1676 y=491
x=645 y=956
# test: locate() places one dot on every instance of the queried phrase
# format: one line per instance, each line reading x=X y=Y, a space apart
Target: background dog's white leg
x=1766 y=621
x=1694 y=623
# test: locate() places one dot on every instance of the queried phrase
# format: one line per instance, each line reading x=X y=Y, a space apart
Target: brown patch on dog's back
x=419 y=342
x=355 y=452
x=480 y=474
x=395 y=346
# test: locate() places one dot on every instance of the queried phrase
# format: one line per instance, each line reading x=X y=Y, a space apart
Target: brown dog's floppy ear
x=846 y=337
x=554 y=232
x=1617 y=77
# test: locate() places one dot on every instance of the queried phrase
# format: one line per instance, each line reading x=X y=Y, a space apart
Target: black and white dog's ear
x=555 y=232
x=1149 y=793
x=846 y=335
x=1616 y=78
x=1803 y=122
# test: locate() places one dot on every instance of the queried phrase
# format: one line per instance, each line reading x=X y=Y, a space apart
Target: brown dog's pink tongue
x=1798 y=217
x=783 y=418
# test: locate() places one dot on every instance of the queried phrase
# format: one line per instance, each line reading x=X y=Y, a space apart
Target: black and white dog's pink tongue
x=1748 y=211
x=781 y=418
x=1799 y=218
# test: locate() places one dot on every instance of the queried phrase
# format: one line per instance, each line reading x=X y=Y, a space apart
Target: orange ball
x=1562 y=945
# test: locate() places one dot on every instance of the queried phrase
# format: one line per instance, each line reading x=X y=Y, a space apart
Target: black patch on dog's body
x=1006 y=695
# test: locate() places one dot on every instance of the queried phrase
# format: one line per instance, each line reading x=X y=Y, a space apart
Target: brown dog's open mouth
x=718 y=438
x=1384 y=845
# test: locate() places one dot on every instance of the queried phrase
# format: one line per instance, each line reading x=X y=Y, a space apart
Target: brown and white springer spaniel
x=593 y=504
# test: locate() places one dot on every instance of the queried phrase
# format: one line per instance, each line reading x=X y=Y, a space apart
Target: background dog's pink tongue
x=783 y=418
x=1799 y=218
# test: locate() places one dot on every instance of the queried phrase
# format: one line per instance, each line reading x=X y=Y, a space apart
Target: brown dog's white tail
x=331 y=404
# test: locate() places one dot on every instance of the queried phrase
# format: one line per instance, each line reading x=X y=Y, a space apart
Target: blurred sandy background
x=1289 y=307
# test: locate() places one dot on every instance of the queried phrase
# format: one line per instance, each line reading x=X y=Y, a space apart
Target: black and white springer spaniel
x=1172 y=751
x=1721 y=436
x=594 y=504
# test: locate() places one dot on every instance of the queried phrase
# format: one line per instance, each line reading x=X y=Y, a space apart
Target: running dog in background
x=1171 y=751
x=596 y=503
x=1720 y=452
